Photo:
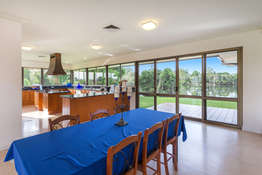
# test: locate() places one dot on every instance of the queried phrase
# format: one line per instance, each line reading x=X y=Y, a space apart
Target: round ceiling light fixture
x=27 y=48
x=150 y=24
x=96 y=46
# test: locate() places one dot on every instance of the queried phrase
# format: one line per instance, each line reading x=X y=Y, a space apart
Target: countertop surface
x=55 y=92
x=92 y=94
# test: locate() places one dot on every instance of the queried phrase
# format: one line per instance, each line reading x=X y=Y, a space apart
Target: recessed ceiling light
x=96 y=46
x=149 y=24
x=109 y=54
x=26 y=48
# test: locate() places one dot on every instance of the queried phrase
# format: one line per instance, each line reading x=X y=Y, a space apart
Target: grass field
x=146 y=102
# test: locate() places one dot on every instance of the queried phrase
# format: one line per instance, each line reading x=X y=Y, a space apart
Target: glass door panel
x=146 y=102
x=221 y=74
x=128 y=73
x=166 y=77
x=91 y=76
x=190 y=75
x=222 y=111
x=221 y=83
x=113 y=75
x=146 y=77
x=101 y=76
x=166 y=104
x=191 y=107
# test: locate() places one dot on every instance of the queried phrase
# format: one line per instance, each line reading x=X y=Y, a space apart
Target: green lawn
x=146 y=102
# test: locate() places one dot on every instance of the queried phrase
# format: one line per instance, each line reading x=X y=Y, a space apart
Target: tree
x=166 y=82
x=146 y=81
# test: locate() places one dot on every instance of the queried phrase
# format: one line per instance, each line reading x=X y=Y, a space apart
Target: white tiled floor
x=34 y=122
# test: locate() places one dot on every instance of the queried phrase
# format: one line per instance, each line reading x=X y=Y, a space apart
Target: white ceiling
x=70 y=26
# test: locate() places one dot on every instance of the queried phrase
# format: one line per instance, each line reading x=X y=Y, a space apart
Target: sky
x=192 y=65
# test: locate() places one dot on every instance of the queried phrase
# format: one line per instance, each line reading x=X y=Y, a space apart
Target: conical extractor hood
x=55 y=65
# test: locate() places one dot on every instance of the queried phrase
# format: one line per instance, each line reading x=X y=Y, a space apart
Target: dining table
x=82 y=149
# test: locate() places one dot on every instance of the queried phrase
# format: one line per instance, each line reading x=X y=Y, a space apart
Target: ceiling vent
x=111 y=28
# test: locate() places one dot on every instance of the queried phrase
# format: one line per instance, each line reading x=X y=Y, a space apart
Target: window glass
x=146 y=102
x=91 y=75
x=128 y=73
x=32 y=76
x=190 y=75
x=146 y=77
x=190 y=107
x=51 y=80
x=80 y=76
x=101 y=76
x=166 y=104
x=222 y=111
x=166 y=77
x=221 y=74
x=113 y=75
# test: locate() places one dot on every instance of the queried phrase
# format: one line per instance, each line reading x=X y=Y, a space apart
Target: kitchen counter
x=92 y=94
x=54 y=92
x=85 y=104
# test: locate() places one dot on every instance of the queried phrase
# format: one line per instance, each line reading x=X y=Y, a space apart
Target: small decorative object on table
x=121 y=106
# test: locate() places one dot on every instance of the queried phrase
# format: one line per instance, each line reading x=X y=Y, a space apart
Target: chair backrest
x=168 y=122
x=63 y=122
x=119 y=147
x=99 y=114
x=147 y=133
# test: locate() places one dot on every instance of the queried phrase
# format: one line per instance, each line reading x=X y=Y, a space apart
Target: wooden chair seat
x=119 y=147
x=99 y=114
x=63 y=122
x=155 y=155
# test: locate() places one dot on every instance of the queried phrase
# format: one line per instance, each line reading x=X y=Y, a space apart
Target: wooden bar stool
x=171 y=141
x=119 y=147
x=155 y=155
x=99 y=114
x=63 y=122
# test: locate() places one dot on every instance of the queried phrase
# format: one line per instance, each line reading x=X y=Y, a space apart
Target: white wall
x=252 y=65
x=10 y=82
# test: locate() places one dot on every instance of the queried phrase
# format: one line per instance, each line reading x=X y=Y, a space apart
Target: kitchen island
x=85 y=104
x=50 y=100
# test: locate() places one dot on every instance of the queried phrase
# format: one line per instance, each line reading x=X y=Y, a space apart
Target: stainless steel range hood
x=55 y=65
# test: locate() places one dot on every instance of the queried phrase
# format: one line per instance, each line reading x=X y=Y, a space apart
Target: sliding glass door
x=190 y=86
x=202 y=87
x=146 y=85
x=222 y=87
x=166 y=85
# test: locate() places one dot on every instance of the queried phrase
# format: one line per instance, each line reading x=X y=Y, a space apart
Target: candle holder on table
x=122 y=107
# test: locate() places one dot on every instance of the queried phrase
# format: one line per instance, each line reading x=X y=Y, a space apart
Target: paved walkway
x=215 y=114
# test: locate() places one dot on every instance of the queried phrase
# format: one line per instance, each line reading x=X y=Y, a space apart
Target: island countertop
x=54 y=92
x=91 y=94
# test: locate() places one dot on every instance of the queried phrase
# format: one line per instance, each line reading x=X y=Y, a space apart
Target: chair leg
x=144 y=169
x=175 y=156
x=165 y=161
x=159 y=164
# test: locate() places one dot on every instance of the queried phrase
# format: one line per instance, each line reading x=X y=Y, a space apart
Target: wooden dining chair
x=99 y=114
x=171 y=141
x=119 y=147
x=63 y=122
x=155 y=155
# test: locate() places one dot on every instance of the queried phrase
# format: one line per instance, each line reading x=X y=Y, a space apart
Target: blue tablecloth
x=80 y=149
